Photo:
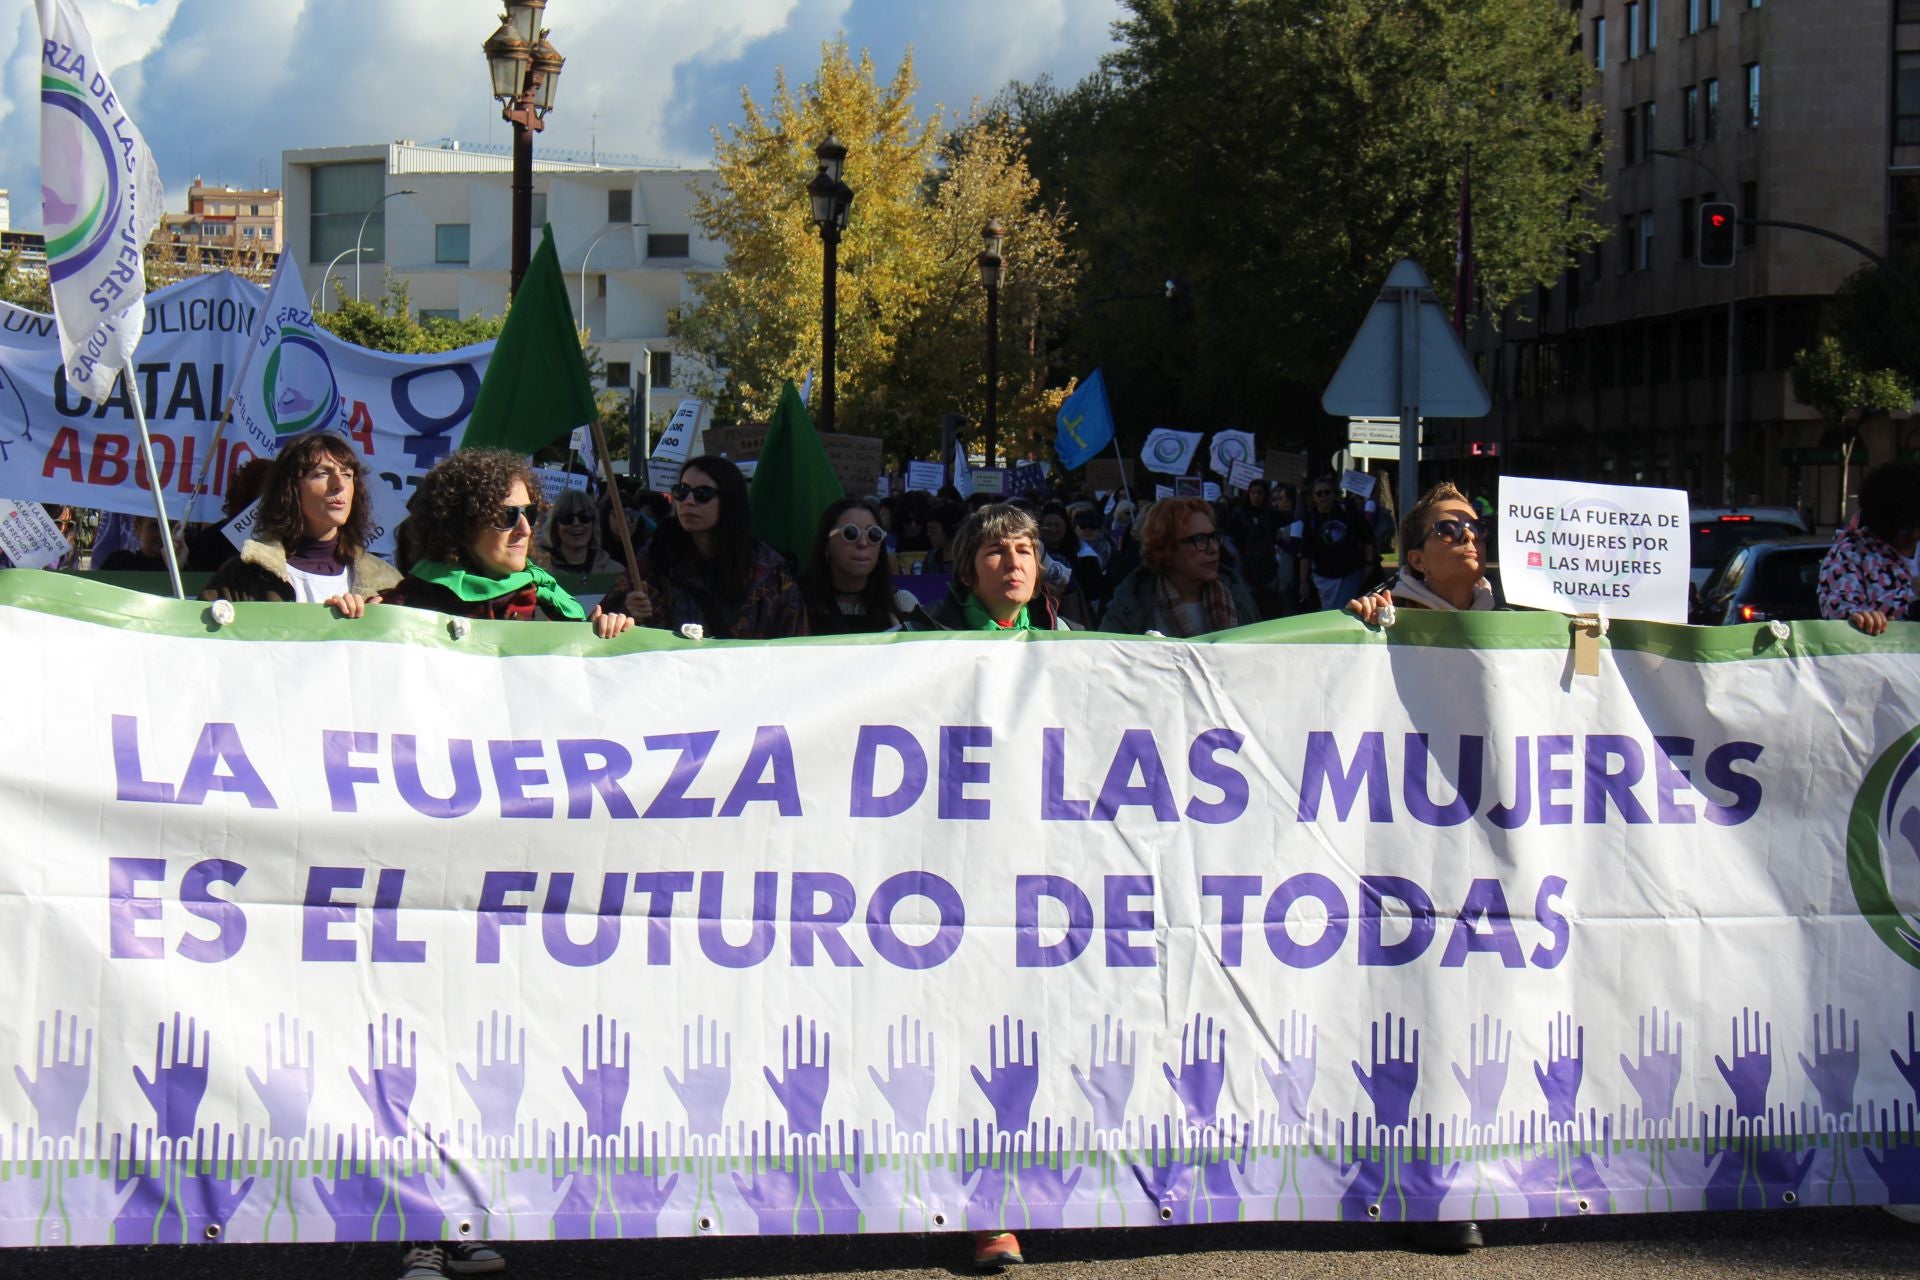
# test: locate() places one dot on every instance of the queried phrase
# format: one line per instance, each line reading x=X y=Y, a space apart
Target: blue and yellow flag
x=1085 y=424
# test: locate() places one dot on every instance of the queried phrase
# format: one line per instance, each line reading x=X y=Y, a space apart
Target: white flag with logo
x=100 y=200
x=1228 y=448
x=1170 y=452
x=962 y=473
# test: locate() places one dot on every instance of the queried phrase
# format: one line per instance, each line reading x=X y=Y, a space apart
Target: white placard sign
x=1161 y=492
x=989 y=480
x=240 y=528
x=1210 y=491
x=1243 y=474
x=1614 y=550
x=678 y=437
x=662 y=475
x=29 y=536
x=553 y=483
x=924 y=477
x=1358 y=483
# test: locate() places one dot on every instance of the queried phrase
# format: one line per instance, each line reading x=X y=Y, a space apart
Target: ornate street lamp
x=831 y=199
x=992 y=267
x=525 y=70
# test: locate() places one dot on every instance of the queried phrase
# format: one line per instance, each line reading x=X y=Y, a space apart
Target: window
x=1644 y=258
x=266 y=233
x=1633 y=29
x=1653 y=24
x=1749 y=208
x=1753 y=95
x=342 y=195
x=660 y=368
x=1648 y=138
x=246 y=233
x=1693 y=16
x=450 y=243
x=1906 y=101
x=1906 y=211
x=1600 y=43
x=1628 y=234
x=1688 y=229
x=619 y=206
x=253 y=210
x=1690 y=115
x=1710 y=123
x=439 y=313
x=1629 y=136
x=668 y=246
x=1713 y=13
x=619 y=373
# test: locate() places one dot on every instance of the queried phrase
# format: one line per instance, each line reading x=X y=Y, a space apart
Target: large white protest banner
x=372 y=932
x=1611 y=550
x=402 y=412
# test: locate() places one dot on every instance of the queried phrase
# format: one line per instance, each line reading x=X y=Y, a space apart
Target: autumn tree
x=911 y=333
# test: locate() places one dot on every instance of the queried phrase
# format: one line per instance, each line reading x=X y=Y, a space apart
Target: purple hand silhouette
x=639 y=1196
x=355 y=1202
x=1897 y=1165
x=208 y=1201
x=771 y=1191
x=601 y=1086
x=1108 y=1081
x=1292 y=1073
x=1164 y=1178
x=499 y=1075
x=421 y=1217
x=287 y=1090
x=1752 y=1065
x=1835 y=1068
x=806 y=1057
x=178 y=1084
x=1763 y=1180
x=1657 y=1075
x=1424 y=1181
x=908 y=1084
x=837 y=1208
x=60 y=1086
x=1037 y=1176
x=1394 y=1078
x=706 y=1076
x=1560 y=1077
x=1489 y=1055
x=1015 y=1079
x=1541 y=1179
x=138 y=1221
x=1365 y=1179
x=1910 y=1069
x=391 y=1077
x=1203 y=1070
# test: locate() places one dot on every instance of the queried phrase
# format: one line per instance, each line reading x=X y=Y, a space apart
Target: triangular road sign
x=1367 y=384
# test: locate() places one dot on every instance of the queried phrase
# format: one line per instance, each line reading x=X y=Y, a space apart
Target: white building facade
x=624 y=233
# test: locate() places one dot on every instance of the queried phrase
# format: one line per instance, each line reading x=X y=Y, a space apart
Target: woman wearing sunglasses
x=309 y=540
x=571 y=538
x=472 y=522
x=1442 y=559
x=847 y=585
x=1181 y=588
x=705 y=567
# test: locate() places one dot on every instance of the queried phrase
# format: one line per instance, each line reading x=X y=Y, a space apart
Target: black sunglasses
x=1453 y=532
x=698 y=492
x=873 y=533
x=1199 y=541
x=508 y=518
x=575 y=517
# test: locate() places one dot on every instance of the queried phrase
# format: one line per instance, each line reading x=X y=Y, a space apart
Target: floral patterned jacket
x=1863 y=574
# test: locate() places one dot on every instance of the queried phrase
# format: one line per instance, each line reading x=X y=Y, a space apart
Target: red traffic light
x=1718 y=221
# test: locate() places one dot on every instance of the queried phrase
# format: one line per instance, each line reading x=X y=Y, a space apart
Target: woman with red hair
x=1182 y=587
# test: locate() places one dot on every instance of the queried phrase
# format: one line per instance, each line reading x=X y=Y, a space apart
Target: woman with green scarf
x=472 y=525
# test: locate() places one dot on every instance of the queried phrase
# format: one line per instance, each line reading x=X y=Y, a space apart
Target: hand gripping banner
x=362 y=930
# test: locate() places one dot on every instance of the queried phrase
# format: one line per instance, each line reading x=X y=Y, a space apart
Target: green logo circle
x=1883 y=835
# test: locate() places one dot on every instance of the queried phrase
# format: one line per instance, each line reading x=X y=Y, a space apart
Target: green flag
x=536 y=387
x=793 y=482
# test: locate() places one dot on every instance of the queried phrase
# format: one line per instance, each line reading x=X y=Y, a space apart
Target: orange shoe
x=993 y=1250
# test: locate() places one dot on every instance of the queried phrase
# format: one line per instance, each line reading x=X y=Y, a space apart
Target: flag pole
x=619 y=508
x=220 y=428
x=132 y=385
x=1125 y=487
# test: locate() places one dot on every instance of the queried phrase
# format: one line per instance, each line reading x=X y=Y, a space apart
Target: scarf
x=476 y=588
x=978 y=619
x=1216 y=602
x=1415 y=591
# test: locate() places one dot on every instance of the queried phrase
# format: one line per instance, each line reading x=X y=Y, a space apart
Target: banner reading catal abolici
x=370 y=929
x=403 y=412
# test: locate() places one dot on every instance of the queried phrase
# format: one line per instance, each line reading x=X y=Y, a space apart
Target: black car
x=1762 y=581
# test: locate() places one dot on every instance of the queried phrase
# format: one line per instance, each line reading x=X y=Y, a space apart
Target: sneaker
x=424 y=1262
x=473 y=1258
x=1446 y=1237
x=995 y=1249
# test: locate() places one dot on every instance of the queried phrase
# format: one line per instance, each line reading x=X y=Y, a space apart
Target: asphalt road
x=1852 y=1243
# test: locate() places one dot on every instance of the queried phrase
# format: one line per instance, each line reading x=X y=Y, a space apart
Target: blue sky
x=221 y=87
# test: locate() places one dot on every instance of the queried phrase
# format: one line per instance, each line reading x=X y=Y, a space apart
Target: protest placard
x=1161 y=492
x=554 y=482
x=1210 y=491
x=678 y=437
x=662 y=475
x=1286 y=468
x=925 y=477
x=1111 y=474
x=1187 y=487
x=1612 y=550
x=855 y=460
x=240 y=528
x=1243 y=474
x=990 y=480
x=29 y=535
x=1357 y=483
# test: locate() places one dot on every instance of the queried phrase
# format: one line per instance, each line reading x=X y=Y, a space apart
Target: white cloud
x=222 y=87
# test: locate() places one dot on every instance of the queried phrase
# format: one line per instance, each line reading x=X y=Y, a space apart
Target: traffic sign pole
x=1409 y=392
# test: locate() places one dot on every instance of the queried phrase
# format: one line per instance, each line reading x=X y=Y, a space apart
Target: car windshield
x=1715 y=540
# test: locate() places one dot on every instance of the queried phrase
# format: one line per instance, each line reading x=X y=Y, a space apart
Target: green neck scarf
x=477 y=588
x=978 y=619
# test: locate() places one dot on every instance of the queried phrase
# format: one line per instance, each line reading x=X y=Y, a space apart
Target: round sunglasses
x=873 y=533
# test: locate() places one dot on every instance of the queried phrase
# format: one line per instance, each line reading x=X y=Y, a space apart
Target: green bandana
x=978 y=619
x=476 y=588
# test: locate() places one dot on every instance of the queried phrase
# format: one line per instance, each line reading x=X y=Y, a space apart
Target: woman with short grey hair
x=996 y=578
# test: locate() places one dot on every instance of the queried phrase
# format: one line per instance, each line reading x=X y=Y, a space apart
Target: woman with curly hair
x=1181 y=587
x=472 y=526
x=310 y=538
x=704 y=567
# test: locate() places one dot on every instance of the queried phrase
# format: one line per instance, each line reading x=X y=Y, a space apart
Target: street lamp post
x=831 y=198
x=320 y=294
x=992 y=265
x=583 y=273
x=360 y=238
x=525 y=70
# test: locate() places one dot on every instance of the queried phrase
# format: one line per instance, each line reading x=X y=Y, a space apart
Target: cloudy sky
x=221 y=87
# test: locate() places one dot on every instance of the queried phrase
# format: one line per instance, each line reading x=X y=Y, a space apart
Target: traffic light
x=1717 y=223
